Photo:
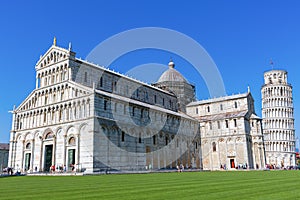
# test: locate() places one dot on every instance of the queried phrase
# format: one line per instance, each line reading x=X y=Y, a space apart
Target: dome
x=171 y=75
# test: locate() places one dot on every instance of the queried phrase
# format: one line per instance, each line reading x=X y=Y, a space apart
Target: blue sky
x=240 y=36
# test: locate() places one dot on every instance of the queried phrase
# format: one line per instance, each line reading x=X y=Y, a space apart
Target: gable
x=52 y=95
x=54 y=55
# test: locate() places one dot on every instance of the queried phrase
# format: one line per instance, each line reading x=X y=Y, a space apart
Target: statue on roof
x=54 y=41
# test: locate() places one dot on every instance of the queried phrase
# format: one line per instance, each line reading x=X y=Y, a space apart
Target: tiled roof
x=213 y=100
x=222 y=116
x=171 y=75
x=154 y=107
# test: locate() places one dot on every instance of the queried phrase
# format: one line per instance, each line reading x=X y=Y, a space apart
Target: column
x=41 y=168
x=22 y=167
x=32 y=155
x=65 y=151
x=254 y=155
x=77 y=160
x=54 y=150
x=13 y=125
x=37 y=82
x=10 y=153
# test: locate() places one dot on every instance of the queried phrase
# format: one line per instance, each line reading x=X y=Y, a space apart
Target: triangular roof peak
x=54 y=54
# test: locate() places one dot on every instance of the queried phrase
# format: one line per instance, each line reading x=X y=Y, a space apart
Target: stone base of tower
x=279 y=160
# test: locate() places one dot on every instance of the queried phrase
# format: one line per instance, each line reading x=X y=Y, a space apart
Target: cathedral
x=87 y=118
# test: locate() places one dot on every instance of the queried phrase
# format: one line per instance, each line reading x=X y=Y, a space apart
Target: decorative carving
x=231 y=153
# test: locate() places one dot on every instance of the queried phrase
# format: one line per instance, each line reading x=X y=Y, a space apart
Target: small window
x=197 y=110
x=45 y=117
x=115 y=86
x=219 y=125
x=46 y=99
x=123 y=136
x=270 y=80
x=235 y=105
x=52 y=115
x=154 y=139
x=101 y=82
x=105 y=104
x=167 y=140
x=163 y=101
x=60 y=115
x=196 y=145
x=154 y=98
x=133 y=111
x=226 y=123
x=210 y=125
x=85 y=77
x=208 y=109
x=62 y=95
x=235 y=122
x=221 y=107
x=214 y=147
x=140 y=138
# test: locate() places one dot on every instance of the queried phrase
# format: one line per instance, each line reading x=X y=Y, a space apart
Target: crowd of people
x=53 y=169
x=10 y=171
x=59 y=169
x=273 y=166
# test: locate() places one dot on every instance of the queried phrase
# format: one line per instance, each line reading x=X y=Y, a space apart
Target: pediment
x=28 y=102
x=37 y=97
x=53 y=55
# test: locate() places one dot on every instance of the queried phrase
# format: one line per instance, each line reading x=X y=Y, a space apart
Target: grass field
x=186 y=185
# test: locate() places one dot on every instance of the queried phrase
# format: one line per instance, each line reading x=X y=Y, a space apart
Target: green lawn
x=186 y=185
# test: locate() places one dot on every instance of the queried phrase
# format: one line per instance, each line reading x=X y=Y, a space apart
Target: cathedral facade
x=87 y=117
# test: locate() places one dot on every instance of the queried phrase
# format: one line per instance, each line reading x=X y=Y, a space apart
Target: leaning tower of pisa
x=278 y=119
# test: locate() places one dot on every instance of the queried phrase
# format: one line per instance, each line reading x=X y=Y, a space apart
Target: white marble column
x=54 y=151
x=32 y=155
x=77 y=161
x=22 y=166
